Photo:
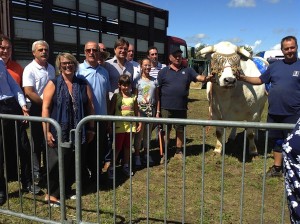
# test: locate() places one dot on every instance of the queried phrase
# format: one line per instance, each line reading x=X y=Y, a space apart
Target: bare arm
x=46 y=108
x=251 y=80
x=32 y=95
x=203 y=78
x=158 y=109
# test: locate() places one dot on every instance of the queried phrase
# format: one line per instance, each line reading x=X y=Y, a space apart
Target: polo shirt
x=284 y=93
x=98 y=79
x=37 y=76
x=174 y=87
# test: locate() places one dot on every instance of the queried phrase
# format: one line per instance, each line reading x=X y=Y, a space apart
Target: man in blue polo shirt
x=173 y=90
x=98 y=78
x=283 y=98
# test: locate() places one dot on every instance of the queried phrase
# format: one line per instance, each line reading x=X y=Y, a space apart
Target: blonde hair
x=68 y=56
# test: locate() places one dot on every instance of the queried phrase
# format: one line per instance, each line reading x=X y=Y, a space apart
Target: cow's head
x=225 y=62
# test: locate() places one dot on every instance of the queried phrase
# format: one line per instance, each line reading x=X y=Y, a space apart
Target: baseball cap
x=175 y=49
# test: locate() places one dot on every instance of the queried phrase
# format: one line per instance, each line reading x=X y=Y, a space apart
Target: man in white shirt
x=35 y=77
x=136 y=65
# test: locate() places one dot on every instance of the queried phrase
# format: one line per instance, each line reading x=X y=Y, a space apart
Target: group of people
x=120 y=86
x=72 y=91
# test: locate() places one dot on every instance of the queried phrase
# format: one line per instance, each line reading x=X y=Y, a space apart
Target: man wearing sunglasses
x=98 y=78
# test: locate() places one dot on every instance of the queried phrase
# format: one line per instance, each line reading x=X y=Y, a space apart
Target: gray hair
x=39 y=42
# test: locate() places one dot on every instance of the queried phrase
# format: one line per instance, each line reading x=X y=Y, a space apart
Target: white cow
x=229 y=98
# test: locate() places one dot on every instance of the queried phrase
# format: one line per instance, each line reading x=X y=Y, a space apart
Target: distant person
x=146 y=98
x=136 y=65
x=173 y=89
x=123 y=103
x=35 y=77
x=98 y=78
x=283 y=96
x=67 y=99
x=156 y=66
x=104 y=54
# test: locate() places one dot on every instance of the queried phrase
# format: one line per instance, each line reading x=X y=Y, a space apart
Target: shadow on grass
x=235 y=147
x=156 y=221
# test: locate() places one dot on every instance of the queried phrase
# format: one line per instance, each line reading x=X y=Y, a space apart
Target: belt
x=7 y=101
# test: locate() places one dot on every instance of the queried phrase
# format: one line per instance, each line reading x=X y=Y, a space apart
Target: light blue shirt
x=98 y=79
x=9 y=87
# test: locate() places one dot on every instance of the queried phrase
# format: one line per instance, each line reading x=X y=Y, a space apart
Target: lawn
x=204 y=200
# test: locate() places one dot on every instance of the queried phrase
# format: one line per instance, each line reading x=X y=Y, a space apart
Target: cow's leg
x=252 y=146
x=219 y=134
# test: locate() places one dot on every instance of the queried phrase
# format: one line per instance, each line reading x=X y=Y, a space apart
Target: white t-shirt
x=37 y=76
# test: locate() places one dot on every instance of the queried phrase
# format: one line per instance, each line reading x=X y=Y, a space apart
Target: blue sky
x=258 y=23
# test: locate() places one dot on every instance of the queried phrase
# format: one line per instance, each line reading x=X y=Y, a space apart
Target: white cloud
x=192 y=40
x=241 y=3
x=256 y=44
x=276 y=47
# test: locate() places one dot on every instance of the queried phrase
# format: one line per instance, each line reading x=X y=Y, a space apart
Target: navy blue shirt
x=174 y=87
x=284 y=94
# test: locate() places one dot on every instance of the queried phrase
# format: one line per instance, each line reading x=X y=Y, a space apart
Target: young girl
x=123 y=103
x=146 y=98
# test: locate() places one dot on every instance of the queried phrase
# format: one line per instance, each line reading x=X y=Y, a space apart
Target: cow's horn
x=206 y=50
x=244 y=52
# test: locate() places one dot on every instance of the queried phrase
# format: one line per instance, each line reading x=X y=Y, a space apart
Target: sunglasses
x=91 y=49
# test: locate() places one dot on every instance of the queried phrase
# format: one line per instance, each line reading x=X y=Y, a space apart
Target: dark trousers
x=8 y=154
x=38 y=139
x=91 y=152
x=69 y=170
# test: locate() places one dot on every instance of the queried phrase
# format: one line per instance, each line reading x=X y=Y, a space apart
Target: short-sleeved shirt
x=154 y=70
x=15 y=70
x=174 y=87
x=284 y=95
x=115 y=70
x=146 y=95
x=98 y=79
x=37 y=76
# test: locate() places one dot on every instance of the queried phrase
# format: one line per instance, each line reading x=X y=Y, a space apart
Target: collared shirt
x=98 y=79
x=8 y=86
x=154 y=70
x=136 y=70
x=115 y=70
x=37 y=76
x=15 y=70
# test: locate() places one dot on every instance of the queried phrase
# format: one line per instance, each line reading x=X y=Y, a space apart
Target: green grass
x=253 y=186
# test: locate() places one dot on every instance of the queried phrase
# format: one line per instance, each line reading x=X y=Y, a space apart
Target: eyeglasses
x=91 y=49
x=4 y=48
x=102 y=49
x=153 y=54
x=65 y=63
x=42 y=49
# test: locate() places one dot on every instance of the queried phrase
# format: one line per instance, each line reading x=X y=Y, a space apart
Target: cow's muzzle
x=229 y=82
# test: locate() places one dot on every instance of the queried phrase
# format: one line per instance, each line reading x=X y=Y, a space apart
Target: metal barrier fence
x=133 y=201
